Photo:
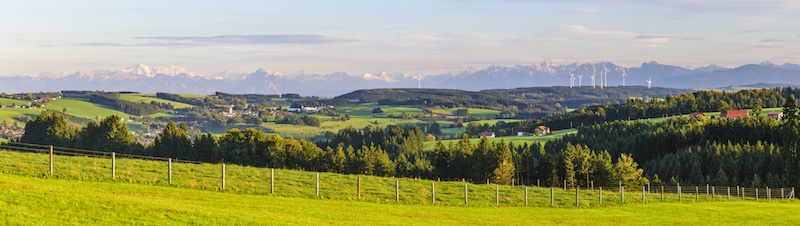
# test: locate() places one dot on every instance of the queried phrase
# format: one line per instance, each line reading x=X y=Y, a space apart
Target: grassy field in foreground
x=300 y=184
x=37 y=201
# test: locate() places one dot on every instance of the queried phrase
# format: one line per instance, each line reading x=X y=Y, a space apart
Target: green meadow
x=147 y=98
x=83 y=109
x=142 y=195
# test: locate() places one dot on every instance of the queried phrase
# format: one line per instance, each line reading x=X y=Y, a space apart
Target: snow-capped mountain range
x=175 y=79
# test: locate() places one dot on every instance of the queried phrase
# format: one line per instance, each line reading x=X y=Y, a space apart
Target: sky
x=410 y=36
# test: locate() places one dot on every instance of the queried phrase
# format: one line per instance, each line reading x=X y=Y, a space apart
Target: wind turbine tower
x=623 y=76
x=571 y=80
x=419 y=81
x=605 y=76
x=649 y=83
x=580 y=80
x=594 y=71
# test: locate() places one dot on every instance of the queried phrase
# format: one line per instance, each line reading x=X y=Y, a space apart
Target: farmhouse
x=776 y=115
x=524 y=132
x=733 y=114
x=543 y=130
x=487 y=134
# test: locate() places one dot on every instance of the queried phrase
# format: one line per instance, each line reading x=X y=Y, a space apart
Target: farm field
x=29 y=200
x=147 y=98
x=11 y=115
x=8 y=101
x=83 y=109
x=473 y=112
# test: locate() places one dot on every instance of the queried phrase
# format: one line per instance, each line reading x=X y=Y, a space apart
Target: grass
x=84 y=109
x=11 y=115
x=38 y=199
x=9 y=101
x=147 y=98
x=473 y=112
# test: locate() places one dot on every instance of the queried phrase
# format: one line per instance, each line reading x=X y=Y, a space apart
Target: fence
x=49 y=161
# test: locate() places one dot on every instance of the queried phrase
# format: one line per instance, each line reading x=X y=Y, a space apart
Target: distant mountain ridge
x=175 y=79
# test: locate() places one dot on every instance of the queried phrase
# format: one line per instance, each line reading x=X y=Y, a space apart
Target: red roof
x=732 y=114
x=487 y=134
x=775 y=113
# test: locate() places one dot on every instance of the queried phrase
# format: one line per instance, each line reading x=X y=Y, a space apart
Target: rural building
x=734 y=114
x=543 y=130
x=487 y=134
x=524 y=131
x=776 y=115
x=696 y=114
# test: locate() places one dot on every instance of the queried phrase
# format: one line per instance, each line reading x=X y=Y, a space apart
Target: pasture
x=28 y=196
x=84 y=109
x=147 y=98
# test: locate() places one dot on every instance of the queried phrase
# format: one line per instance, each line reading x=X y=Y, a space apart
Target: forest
x=520 y=103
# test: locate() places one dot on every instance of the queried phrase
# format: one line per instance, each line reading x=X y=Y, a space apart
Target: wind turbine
x=580 y=80
x=623 y=76
x=649 y=83
x=571 y=80
x=419 y=80
x=605 y=76
x=594 y=71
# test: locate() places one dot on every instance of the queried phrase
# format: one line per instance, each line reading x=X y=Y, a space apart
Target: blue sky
x=411 y=36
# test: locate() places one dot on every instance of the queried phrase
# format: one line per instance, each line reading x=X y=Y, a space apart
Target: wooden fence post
x=537 y=183
x=782 y=197
x=707 y=193
x=756 y=194
x=600 y=189
x=317 y=180
x=51 y=160
x=223 y=176
x=497 y=195
x=713 y=193
x=643 y=198
x=433 y=192
x=358 y=187
x=577 y=201
x=113 y=165
x=552 y=200
x=679 y=192
x=397 y=190
x=662 y=193
x=466 y=195
x=169 y=170
x=526 y=195
x=729 y=193
x=769 y=194
x=565 y=184
x=272 y=180
x=696 y=193
x=621 y=193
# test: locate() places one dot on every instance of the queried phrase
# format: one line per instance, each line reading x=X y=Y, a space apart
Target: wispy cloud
x=655 y=38
x=584 y=10
x=179 y=41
